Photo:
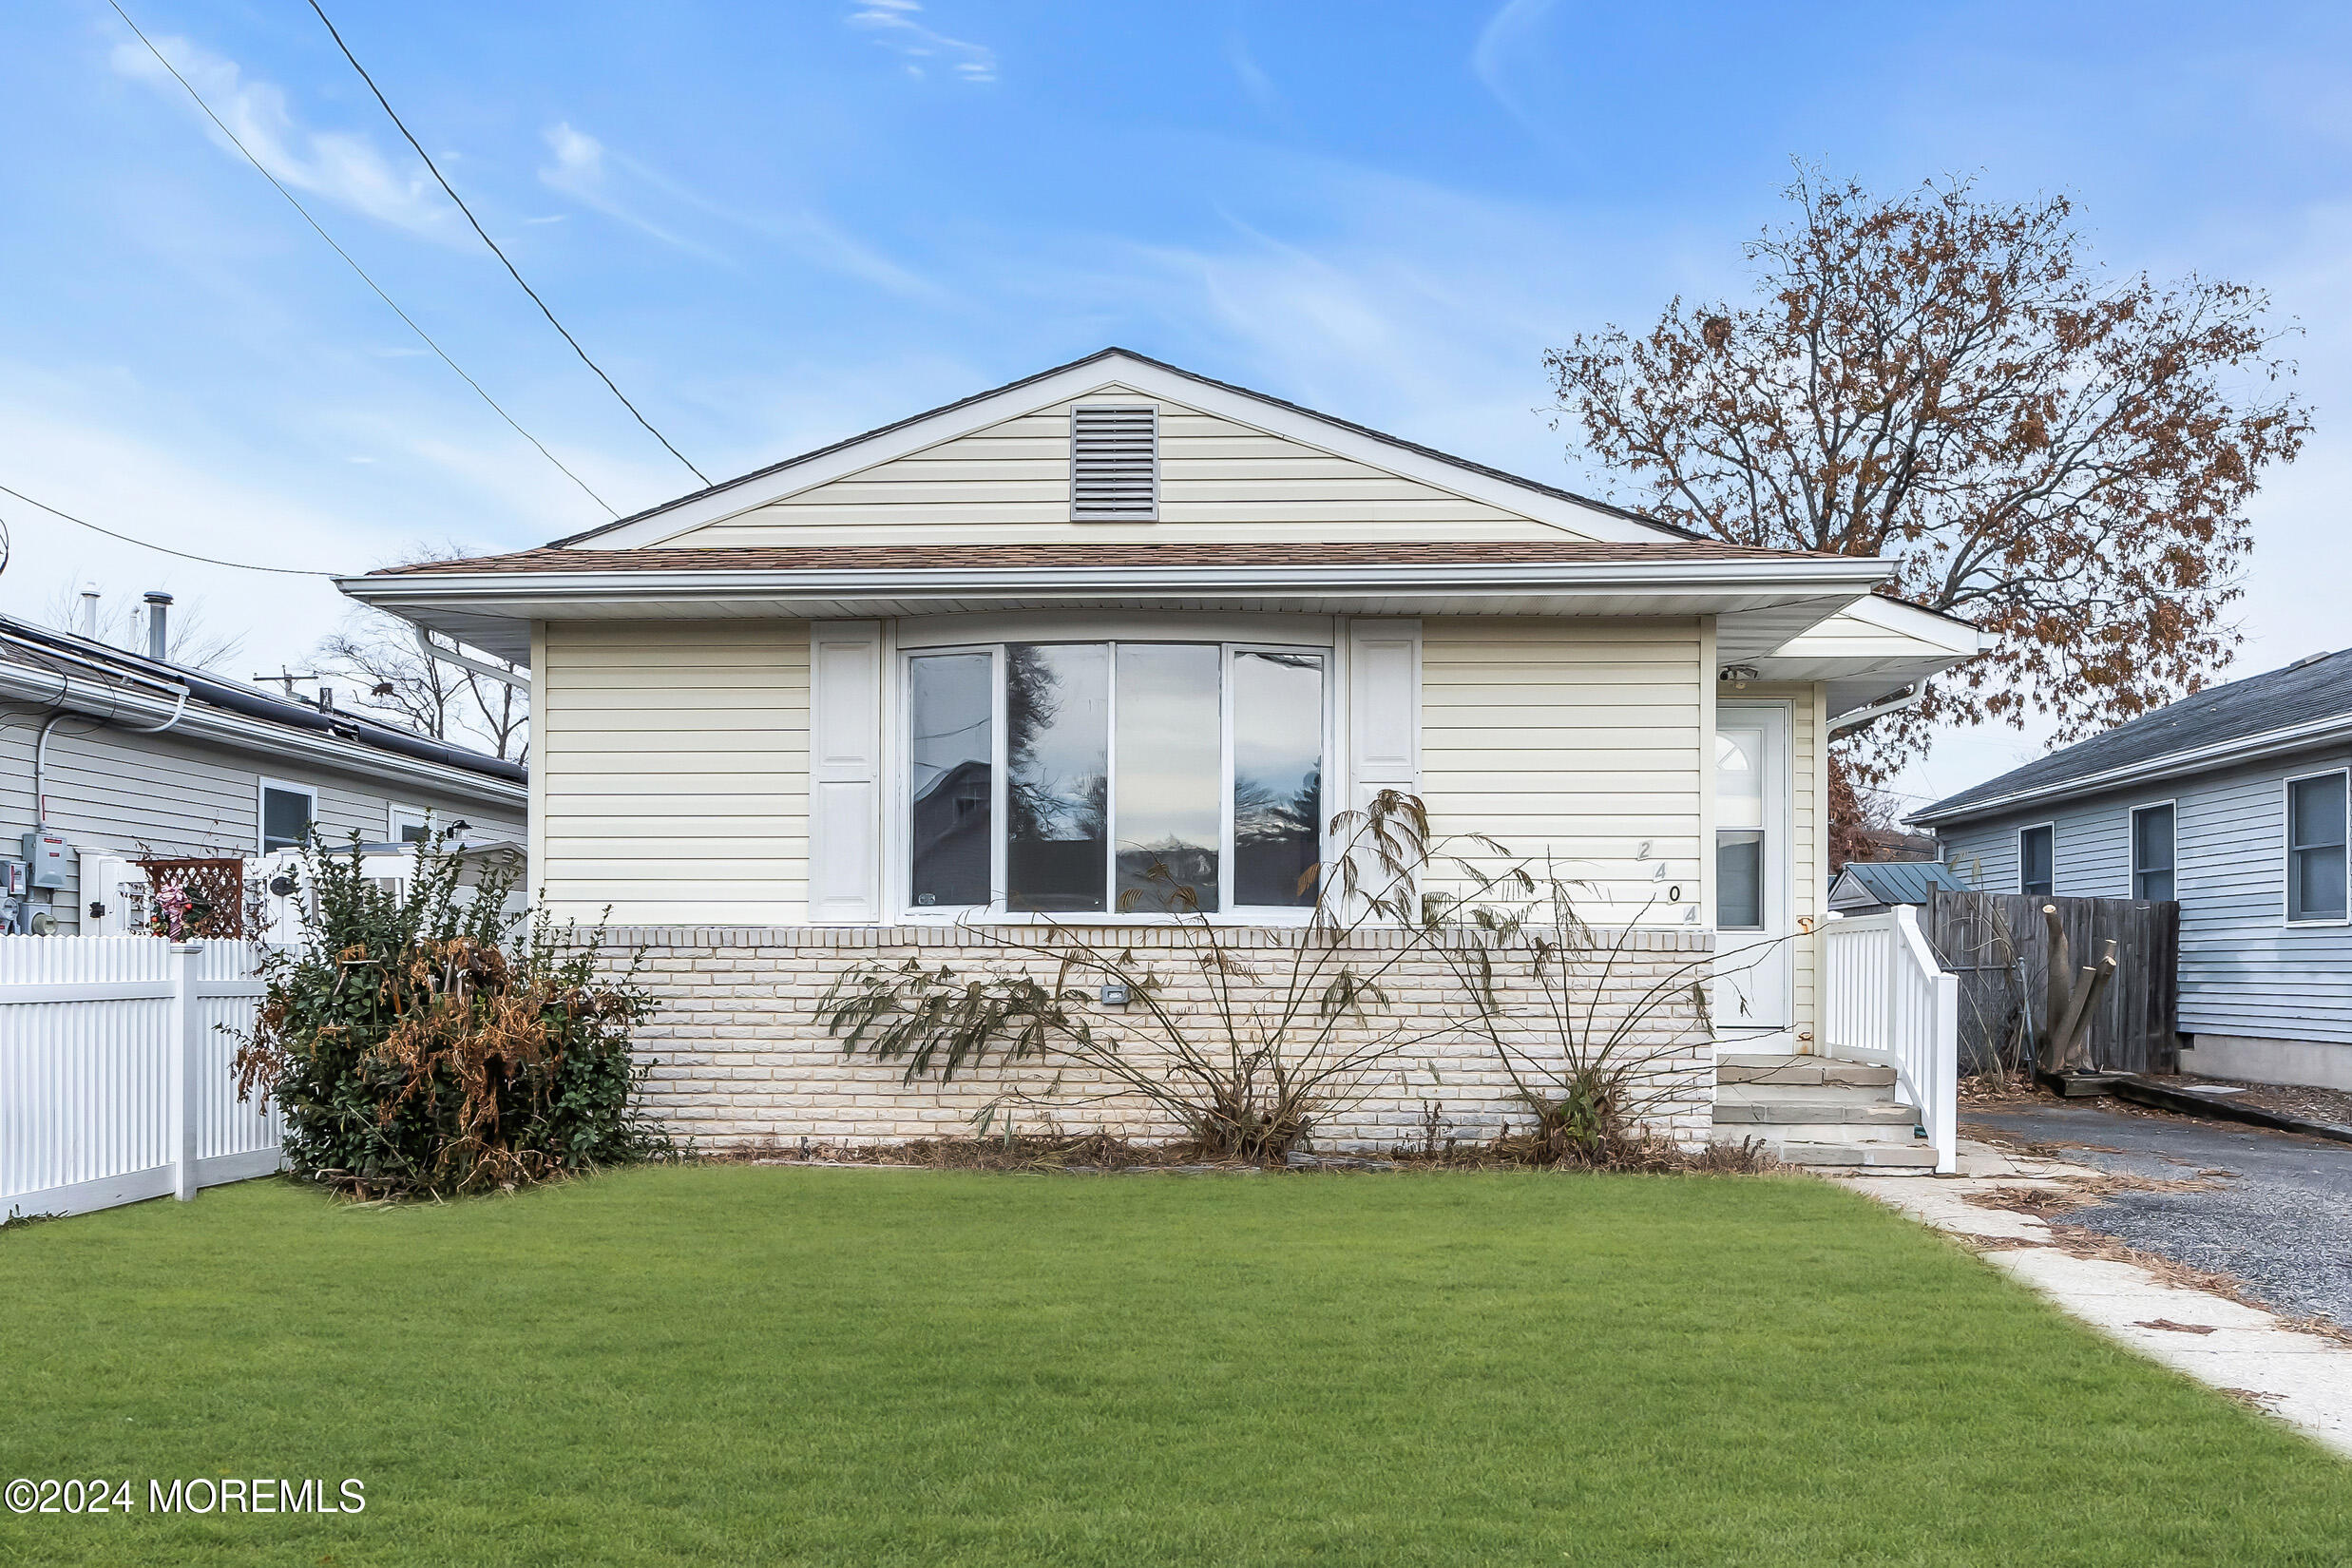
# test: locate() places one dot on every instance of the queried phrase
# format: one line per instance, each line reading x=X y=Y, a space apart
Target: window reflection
x=951 y=777
x=1057 y=728
x=1277 y=777
x=1169 y=766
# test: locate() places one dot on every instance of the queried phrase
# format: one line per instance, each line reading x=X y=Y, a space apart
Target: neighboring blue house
x=2235 y=802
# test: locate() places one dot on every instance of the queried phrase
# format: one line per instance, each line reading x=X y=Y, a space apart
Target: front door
x=1754 y=925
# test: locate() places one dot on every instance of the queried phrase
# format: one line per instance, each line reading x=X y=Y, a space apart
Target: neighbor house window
x=410 y=823
x=2151 y=852
x=1090 y=778
x=287 y=813
x=2315 y=848
x=2035 y=875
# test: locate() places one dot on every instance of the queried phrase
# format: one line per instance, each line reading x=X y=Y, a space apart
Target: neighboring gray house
x=107 y=754
x=2235 y=801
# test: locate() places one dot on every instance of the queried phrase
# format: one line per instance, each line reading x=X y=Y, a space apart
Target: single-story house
x=2231 y=801
x=109 y=756
x=1866 y=886
x=984 y=662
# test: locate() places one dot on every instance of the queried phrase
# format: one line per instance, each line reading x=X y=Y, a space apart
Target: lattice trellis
x=216 y=886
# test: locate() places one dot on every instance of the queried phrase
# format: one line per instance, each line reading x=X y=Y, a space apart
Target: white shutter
x=1384 y=708
x=844 y=772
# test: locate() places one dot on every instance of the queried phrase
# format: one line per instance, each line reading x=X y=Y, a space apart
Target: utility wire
x=352 y=264
x=502 y=255
x=209 y=561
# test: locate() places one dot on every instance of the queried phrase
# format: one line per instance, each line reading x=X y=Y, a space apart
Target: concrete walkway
x=2302 y=1378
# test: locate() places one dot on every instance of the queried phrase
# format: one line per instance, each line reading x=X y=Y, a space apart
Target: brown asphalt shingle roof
x=1140 y=557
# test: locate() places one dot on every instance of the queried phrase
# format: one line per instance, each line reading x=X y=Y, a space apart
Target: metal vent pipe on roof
x=90 y=611
x=158 y=610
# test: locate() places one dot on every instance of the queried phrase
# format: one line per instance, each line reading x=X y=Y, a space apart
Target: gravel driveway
x=2282 y=1223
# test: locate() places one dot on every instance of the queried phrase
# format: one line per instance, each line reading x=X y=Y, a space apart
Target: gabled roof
x=1888 y=882
x=57 y=669
x=658 y=558
x=2309 y=702
x=794 y=473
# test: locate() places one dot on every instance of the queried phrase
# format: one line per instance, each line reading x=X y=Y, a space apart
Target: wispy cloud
x=342 y=167
x=1251 y=76
x=894 y=25
x=597 y=176
x=1509 y=34
x=578 y=172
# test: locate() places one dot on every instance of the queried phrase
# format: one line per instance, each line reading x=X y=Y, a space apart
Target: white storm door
x=1753 y=922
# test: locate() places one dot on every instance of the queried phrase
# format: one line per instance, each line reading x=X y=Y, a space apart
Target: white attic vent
x=1114 y=463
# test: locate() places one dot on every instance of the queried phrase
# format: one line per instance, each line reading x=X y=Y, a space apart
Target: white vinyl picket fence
x=114 y=1071
x=1886 y=999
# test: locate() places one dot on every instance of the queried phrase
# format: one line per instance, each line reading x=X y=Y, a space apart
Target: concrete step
x=1878 y=1136
x=1749 y=1067
x=1915 y=1158
x=1778 y=1104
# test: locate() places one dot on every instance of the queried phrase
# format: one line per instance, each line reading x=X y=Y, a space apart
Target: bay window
x=1114 y=777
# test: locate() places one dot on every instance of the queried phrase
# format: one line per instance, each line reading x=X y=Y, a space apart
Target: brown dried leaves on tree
x=2061 y=455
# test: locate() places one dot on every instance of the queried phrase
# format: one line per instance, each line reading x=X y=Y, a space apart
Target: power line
x=209 y=561
x=352 y=264
x=502 y=255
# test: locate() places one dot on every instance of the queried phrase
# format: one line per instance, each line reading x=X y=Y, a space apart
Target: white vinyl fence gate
x=114 y=1071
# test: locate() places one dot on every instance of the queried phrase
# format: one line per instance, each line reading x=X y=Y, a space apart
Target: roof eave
x=2171 y=765
x=239 y=732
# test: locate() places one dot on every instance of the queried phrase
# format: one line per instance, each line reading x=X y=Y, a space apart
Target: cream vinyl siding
x=1219 y=480
x=1582 y=739
x=672 y=759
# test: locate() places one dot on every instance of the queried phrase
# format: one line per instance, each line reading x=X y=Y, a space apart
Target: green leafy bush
x=419 y=1043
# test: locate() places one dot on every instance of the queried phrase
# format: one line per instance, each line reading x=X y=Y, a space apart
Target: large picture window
x=2315 y=848
x=1115 y=778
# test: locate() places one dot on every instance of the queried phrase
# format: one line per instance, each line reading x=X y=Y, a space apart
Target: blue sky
x=779 y=224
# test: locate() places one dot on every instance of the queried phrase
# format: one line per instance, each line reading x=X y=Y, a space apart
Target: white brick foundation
x=741 y=1056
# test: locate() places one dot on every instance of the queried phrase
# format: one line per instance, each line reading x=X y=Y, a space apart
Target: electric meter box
x=45 y=854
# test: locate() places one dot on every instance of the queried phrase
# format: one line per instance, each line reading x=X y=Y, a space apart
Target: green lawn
x=756 y=1366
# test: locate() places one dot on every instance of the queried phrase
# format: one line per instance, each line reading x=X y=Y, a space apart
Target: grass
x=746 y=1365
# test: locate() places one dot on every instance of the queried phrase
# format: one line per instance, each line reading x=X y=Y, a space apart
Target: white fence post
x=187 y=1038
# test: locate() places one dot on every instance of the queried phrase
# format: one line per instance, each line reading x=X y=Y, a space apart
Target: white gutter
x=1855 y=719
x=464 y=661
x=2252 y=748
x=1852 y=574
x=255 y=735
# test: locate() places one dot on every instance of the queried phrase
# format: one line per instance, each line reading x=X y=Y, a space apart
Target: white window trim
x=260 y=808
x=901 y=908
x=2131 y=847
x=2036 y=827
x=2286 y=850
x=395 y=812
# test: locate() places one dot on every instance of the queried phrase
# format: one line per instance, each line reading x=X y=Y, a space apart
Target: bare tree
x=121 y=624
x=2061 y=455
x=378 y=657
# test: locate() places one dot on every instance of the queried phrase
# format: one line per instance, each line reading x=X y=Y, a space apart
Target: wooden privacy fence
x=1998 y=945
x=114 y=1071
